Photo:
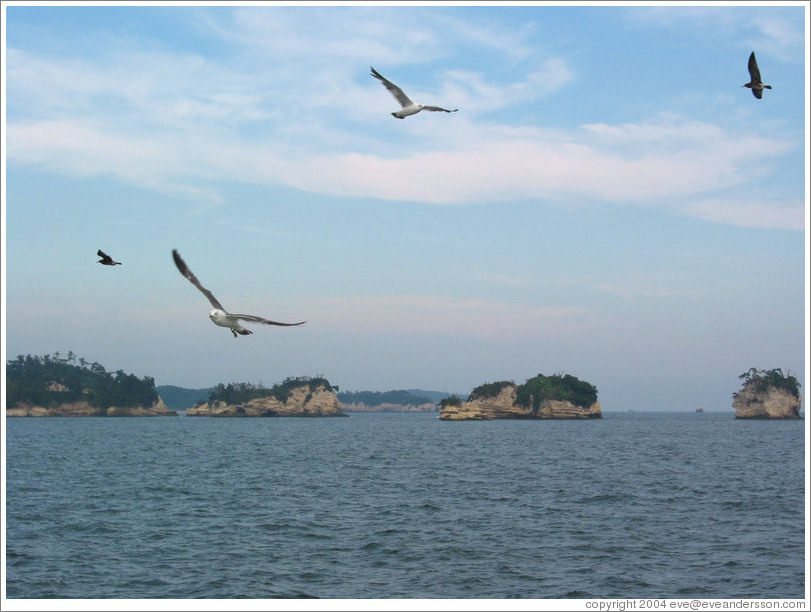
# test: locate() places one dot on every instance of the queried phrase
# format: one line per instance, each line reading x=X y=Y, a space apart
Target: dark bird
x=106 y=260
x=755 y=84
x=409 y=107
x=219 y=316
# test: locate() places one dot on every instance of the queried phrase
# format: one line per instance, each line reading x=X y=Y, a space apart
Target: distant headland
x=542 y=397
x=402 y=400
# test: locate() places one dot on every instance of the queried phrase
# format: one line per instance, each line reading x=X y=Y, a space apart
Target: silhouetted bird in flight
x=106 y=260
x=409 y=107
x=755 y=84
x=219 y=316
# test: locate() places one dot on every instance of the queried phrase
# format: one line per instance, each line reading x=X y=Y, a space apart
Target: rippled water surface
x=405 y=506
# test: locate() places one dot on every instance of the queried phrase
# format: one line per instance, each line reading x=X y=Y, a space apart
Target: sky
x=608 y=202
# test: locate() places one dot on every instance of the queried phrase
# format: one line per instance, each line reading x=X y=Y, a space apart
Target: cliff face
x=85 y=409
x=554 y=409
x=503 y=407
x=302 y=402
x=773 y=403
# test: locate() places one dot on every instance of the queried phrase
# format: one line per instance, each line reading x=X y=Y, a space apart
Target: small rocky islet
x=767 y=394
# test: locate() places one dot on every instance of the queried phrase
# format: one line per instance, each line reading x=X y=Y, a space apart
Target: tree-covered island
x=559 y=396
x=295 y=396
x=52 y=385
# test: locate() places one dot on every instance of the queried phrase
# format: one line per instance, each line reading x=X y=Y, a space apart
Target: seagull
x=755 y=84
x=409 y=107
x=219 y=316
x=106 y=260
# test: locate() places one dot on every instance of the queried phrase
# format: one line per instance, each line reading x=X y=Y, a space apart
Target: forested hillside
x=52 y=380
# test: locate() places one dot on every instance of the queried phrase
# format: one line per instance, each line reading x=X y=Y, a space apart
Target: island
x=767 y=394
x=301 y=396
x=52 y=385
x=542 y=397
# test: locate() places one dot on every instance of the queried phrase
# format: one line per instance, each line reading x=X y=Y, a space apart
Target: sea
x=403 y=505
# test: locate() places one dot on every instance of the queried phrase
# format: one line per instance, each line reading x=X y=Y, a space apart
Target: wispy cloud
x=761 y=212
x=444 y=316
x=181 y=122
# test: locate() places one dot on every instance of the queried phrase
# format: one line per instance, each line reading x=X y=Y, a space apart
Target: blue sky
x=608 y=202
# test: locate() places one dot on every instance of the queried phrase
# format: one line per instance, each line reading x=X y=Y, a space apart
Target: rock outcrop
x=83 y=408
x=301 y=402
x=503 y=406
x=770 y=403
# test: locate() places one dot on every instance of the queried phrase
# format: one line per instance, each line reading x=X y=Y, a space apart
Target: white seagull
x=219 y=316
x=409 y=107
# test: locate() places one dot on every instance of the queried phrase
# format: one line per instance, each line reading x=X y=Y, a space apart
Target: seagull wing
x=403 y=99
x=255 y=319
x=104 y=255
x=439 y=108
x=754 y=71
x=184 y=270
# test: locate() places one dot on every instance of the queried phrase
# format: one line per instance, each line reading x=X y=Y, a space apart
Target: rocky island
x=542 y=397
x=56 y=386
x=767 y=395
x=295 y=397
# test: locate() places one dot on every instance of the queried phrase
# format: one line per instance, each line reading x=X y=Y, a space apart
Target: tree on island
x=488 y=390
x=452 y=401
x=760 y=380
x=561 y=387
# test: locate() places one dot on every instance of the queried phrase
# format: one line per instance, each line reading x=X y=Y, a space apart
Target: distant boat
x=699 y=409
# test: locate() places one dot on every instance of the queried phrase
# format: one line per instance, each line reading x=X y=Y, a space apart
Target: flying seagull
x=409 y=107
x=219 y=316
x=755 y=84
x=106 y=260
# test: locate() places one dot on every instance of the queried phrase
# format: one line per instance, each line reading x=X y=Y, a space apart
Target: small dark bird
x=106 y=260
x=219 y=316
x=409 y=107
x=755 y=84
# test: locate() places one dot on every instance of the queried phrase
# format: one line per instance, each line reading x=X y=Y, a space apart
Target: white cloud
x=762 y=212
x=677 y=163
x=637 y=164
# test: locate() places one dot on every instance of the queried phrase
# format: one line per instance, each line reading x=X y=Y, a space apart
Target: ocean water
x=403 y=505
